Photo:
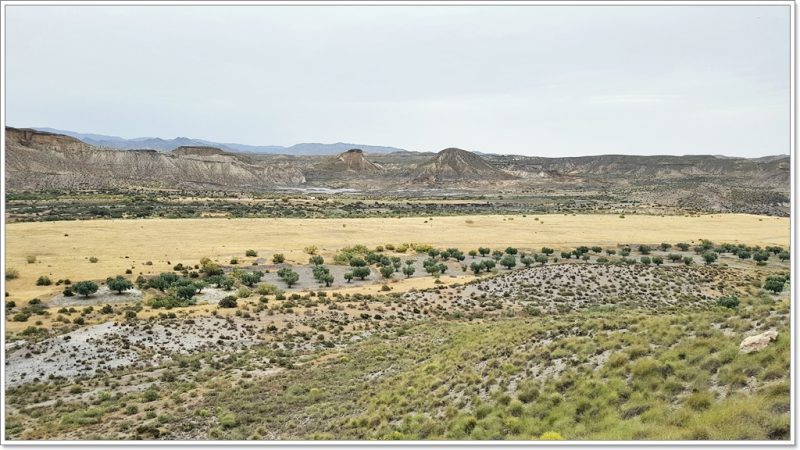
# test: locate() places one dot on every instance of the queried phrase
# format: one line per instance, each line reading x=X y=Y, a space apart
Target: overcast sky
x=535 y=80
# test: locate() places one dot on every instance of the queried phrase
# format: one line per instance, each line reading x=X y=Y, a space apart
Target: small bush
x=728 y=302
x=699 y=400
x=93 y=259
x=11 y=274
x=228 y=302
x=169 y=302
x=251 y=253
x=267 y=289
x=228 y=420
x=150 y=395
x=43 y=281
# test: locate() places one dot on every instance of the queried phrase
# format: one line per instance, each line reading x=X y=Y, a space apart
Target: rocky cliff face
x=37 y=161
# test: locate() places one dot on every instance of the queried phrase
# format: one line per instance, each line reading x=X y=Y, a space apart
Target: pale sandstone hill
x=454 y=165
x=354 y=160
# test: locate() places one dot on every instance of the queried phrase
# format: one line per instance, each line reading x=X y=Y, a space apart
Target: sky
x=532 y=80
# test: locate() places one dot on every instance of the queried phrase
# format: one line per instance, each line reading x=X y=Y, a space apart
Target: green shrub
x=228 y=302
x=169 y=301
x=228 y=420
x=728 y=302
x=699 y=400
x=775 y=284
x=267 y=289
x=150 y=395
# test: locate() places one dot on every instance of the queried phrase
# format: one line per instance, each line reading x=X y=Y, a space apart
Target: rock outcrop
x=758 y=342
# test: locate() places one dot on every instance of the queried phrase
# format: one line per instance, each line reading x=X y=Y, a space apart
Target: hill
x=455 y=164
x=37 y=160
x=354 y=160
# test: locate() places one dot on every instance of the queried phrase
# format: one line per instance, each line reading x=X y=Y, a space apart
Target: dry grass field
x=63 y=249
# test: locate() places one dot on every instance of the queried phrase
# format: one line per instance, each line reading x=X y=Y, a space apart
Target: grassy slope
x=627 y=374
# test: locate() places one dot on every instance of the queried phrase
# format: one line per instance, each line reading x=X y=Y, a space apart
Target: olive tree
x=250 y=278
x=387 y=271
x=186 y=292
x=710 y=257
x=119 y=284
x=476 y=267
x=361 y=272
x=85 y=288
x=508 y=261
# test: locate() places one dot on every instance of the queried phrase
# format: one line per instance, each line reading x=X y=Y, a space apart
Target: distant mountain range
x=167 y=145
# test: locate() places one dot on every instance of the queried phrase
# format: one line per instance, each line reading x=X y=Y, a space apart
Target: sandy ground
x=62 y=249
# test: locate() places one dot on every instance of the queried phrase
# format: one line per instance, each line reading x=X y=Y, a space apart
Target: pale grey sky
x=535 y=80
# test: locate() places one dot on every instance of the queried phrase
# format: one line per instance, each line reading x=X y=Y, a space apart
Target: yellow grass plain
x=62 y=249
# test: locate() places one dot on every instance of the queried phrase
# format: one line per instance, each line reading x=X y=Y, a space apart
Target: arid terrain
x=39 y=163
x=197 y=293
